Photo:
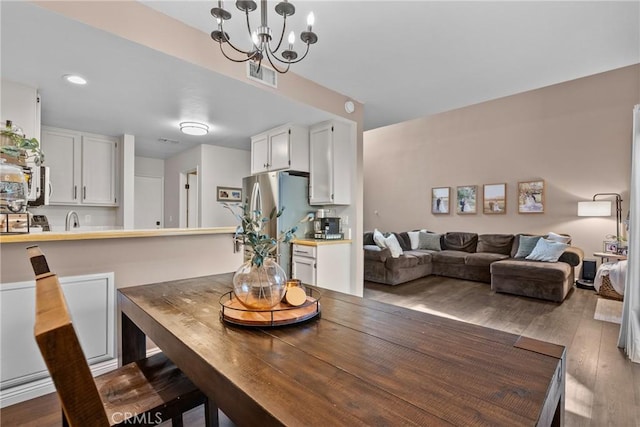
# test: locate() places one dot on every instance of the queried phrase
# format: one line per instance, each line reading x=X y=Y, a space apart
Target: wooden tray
x=232 y=311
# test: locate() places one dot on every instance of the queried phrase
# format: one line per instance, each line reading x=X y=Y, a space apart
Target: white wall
x=181 y=163
x=224 y=167
x=19 y=104
x=146 y=166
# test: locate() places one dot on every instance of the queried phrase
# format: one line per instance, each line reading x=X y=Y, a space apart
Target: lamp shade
x=593 y=208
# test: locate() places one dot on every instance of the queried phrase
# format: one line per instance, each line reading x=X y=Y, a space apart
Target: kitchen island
x=135 y=256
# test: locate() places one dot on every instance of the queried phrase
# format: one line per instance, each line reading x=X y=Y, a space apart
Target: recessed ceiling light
x=194 y=128
x=75 y=79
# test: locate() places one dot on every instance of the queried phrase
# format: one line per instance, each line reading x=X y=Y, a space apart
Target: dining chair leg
x=211 y=414
x=176 y=421
x=65 y=422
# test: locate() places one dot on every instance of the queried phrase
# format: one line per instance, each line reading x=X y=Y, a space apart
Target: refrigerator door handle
x=256 y=201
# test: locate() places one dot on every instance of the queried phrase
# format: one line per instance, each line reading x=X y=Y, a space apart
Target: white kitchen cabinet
x=91 y=301
x=83 y=167
x=283 y=148
x=324 y=264
x=330 y=164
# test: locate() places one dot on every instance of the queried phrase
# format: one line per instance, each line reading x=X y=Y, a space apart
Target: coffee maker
x=327 y=228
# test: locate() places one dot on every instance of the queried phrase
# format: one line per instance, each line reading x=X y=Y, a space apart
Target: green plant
x=20 y=146
x=252 y=223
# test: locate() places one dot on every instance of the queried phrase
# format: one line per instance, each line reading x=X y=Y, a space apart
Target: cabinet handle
x=84 y=192
x=75 y=192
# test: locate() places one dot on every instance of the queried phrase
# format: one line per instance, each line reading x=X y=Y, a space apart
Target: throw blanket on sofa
x=617 y=272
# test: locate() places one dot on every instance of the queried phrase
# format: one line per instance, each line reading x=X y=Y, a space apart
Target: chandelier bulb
x=292 y=39
x=311 y=19
x=254 y=39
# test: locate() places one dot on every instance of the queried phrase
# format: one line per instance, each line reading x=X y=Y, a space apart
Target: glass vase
x=260 y=288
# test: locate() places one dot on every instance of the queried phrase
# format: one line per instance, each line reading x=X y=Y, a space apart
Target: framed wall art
x=228 y=194
x=494 y=199
x=531 y=197
x=466 y=200
x=440 y=200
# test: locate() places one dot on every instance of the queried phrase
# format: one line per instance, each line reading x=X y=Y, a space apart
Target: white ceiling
x=403 y=60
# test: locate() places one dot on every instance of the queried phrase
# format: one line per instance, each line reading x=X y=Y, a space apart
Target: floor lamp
x=602 y=208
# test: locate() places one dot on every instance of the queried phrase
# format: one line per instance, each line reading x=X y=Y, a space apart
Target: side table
x=605 y=256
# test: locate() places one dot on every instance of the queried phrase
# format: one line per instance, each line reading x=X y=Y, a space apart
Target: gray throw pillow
x=526 y=245
x=430 y=241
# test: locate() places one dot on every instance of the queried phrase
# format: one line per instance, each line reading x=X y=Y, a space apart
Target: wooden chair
x=140 y=393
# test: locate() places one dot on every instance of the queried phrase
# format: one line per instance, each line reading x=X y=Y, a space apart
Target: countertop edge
x=320 y=242
x=112 y=234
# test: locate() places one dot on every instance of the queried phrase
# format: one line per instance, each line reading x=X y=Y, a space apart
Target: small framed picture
x=623 y=250
x=531 y=197
x=440 y=200
x=494 y=199
x=466 y=201
x=228 y=194
x=610 y=247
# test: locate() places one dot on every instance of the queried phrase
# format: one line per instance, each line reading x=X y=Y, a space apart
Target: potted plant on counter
x=16 y=148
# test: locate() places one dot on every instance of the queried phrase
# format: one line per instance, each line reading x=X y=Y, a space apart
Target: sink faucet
x=67 y=221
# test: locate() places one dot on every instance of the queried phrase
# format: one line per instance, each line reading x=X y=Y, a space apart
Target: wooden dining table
x=361 y=362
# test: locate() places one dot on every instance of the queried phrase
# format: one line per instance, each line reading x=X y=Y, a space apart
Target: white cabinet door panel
x=62 y=155
x=321 y=166
x=279 y=144
x=98 y=171
x=91 y=301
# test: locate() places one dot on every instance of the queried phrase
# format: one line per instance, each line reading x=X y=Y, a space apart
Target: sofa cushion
x=547 y=251
x=368 y=238
x=450 y=257
x=404 y=240
x=562 y=238
x=391 y=242
x=414 y=237
x=483 y=259
x=375 y=253
x=404 y=261
x=430 y=241
x=572 y=256
x=540 y=271
x=495 y=243
x=526 y=245
x=424 y=257
x=378 y=238
x=458 y=241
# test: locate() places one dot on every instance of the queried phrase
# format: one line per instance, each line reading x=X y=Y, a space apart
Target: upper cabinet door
x=321 y=165
x=98 y=170
x=280 y=149
x=259 y=153
x=62 y=150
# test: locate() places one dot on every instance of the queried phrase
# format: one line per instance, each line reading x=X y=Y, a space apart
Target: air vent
x=265 y=75
x=168 y=141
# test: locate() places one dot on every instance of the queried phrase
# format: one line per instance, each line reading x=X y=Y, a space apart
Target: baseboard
x=33 y=389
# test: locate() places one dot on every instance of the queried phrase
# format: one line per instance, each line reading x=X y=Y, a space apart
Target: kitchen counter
x=49 y=236
x=319 y=242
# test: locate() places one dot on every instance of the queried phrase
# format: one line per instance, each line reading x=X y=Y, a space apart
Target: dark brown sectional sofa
x=485 y=258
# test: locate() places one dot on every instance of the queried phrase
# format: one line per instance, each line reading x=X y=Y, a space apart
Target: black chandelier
x=261 y=37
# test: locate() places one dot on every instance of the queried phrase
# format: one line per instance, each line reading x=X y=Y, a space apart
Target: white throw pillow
x=378 y=238
x=414 y=236
x=558 y=238
x=547 y=250
x=393 y=245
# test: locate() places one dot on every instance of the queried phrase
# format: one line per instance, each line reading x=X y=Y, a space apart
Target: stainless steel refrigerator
x=280 y=189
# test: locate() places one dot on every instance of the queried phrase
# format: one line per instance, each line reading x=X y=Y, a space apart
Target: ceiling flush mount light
x=602 y=208
x=75 y=79
x=194 y=128
x=261 y=36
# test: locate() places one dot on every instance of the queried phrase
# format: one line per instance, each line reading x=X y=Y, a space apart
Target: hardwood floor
x=603 y=387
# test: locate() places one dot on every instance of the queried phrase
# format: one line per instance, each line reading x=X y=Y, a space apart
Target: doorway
x=149 y=202
x=189 y=211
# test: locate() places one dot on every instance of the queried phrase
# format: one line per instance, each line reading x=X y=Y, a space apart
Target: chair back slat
x=62 y=352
